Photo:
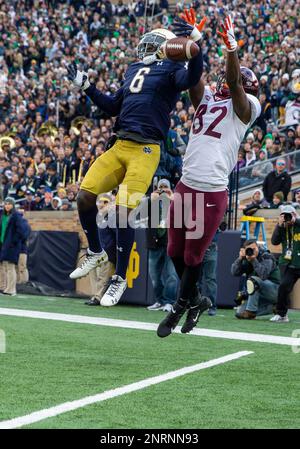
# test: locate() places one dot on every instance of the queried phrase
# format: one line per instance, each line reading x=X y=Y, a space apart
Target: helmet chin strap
x=150 y=59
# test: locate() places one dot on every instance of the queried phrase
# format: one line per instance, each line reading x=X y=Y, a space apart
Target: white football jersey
x=214 y=141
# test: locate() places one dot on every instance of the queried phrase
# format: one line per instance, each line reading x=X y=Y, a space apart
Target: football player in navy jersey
x=142 y=105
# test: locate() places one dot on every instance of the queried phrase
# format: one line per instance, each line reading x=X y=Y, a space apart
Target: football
x=179 y=49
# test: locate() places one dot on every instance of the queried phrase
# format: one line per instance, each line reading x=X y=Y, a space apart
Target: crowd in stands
x=44 y=154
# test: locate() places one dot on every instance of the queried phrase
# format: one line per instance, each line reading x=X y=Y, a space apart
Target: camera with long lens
x=249 y=252
x=287 y=217
x=241 y=296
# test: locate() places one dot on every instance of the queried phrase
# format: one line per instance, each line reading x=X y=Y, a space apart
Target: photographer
x=161 y=268
x=262 y=278
x=287 y=232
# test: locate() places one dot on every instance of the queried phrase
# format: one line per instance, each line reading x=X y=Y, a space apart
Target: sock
x=89 y=225
x=125 y=239
x=181 y=303
x=188 y=284
x=179 y=265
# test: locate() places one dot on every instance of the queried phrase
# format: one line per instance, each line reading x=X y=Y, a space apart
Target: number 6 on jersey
x=138 y=81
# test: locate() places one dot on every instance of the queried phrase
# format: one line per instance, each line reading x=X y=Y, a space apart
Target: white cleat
x=114 y=292
x=280 y=319
x=90 y=262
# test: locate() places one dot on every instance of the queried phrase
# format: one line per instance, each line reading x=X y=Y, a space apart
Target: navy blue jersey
x=148 y=95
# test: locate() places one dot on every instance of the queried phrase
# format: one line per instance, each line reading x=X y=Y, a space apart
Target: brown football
x=180 y=49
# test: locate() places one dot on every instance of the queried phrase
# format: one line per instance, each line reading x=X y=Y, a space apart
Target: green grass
x=48 y=363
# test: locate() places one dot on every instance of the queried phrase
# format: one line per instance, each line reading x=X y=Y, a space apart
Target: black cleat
x=93 y=301
x=170 y=322
x=194 y=314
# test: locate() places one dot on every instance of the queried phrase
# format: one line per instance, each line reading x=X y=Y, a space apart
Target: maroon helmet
x=249 y=80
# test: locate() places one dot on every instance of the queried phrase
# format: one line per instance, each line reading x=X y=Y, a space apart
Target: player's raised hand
x=79 y=79
x=186 y=25
x=181 y=28
x=227 y=34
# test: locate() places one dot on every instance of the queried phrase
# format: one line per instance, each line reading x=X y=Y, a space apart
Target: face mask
x=147 y=60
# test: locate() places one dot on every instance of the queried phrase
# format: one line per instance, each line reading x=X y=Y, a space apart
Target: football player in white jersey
x=219 y=125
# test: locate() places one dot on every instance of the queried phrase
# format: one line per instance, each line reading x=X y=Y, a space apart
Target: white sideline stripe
x=81 y=319
x=109 y=394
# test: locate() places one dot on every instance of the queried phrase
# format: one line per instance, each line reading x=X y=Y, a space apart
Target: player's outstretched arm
x=241 y=104
x=196 y=93
x=111 y=104
x=186 y=26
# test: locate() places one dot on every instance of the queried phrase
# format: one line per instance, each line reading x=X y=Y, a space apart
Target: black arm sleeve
x=186 y=78
x=111 y=104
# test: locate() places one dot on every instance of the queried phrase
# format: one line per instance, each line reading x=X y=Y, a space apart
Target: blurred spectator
x=241 y=161
x=30 y=180
x=65 y=205
x=47 y=203
x=296 y=203
x=290 y=139
x=292 y=111
x=22 y=270
x=161 y=268
x=13 y=232
x=51 y=178
x=245 y=175
x=56 y=203
x=170 y=164
x=260 y=171
x=39 y=39
x=29 y=203
x=283 y=142
x=257 y=202
x=265 y=115
x=38 y=201
x=41 y=174
x=71 y=196
x=14 y=188
x=277 y=181
x=277 y=201
x=62 y=193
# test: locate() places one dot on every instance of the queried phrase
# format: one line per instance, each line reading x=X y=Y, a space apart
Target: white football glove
x=79 y=79
x=227 y=34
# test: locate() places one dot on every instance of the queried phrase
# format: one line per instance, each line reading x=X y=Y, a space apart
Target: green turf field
x=48 y=363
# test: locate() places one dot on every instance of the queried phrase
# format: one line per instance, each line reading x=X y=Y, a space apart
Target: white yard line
x=109 y=394
x=82 y=319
